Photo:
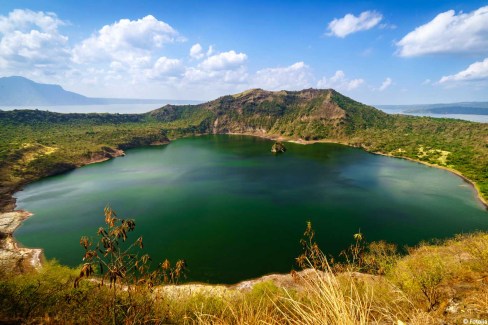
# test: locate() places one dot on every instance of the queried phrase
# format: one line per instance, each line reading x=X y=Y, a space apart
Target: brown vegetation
x=442 y=283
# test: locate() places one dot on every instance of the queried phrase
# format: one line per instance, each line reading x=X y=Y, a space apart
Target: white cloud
x=225 y=67
x=196 y=51
x=127 y=41
x=386 y=84
x=129 y=51
x=476 y=71
x=294 y=77
x=195 y=75
x=125 y=59
x=30 y=43
x=351 y=24
x=448 y=33
x=129 y=58
x=165 y=67
x=224 y=61
x=24 y=20
x=339 y=81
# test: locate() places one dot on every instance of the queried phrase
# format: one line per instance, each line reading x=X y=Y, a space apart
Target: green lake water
x=235 y=211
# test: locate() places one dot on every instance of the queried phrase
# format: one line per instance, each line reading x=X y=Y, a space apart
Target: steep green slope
x=34 y=144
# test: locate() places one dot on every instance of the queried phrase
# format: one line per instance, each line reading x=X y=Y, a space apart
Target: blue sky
x=377 y=52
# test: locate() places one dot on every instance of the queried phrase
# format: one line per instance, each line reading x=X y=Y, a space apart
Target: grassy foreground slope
x=34 y=144
x=446 y=283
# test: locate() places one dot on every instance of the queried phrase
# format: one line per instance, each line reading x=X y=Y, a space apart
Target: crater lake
x=235 y=211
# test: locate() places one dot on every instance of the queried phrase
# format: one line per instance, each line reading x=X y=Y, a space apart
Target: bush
x=421 y=276
x=380 y=257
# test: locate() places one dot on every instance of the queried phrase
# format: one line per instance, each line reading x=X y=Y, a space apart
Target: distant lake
x=235 y=211
x=466 y=117
x=112 y=108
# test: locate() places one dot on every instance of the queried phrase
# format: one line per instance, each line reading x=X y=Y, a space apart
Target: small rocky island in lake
x=278 y=147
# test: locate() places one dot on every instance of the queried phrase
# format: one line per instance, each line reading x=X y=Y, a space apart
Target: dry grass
x=241 y=312
x=331 y=301
x=443 y=283
x=323 y=298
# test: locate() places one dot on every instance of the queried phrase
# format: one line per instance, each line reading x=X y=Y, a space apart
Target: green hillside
x=34 y=144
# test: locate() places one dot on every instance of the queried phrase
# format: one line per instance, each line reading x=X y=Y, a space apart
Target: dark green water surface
x=235 y=211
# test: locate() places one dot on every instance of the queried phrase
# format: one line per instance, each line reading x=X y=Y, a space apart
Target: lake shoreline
x=11 y=246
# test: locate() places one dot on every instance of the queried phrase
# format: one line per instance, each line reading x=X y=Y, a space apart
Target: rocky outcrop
x=13 y=258
x=278 y=147
x=288 y=281
x=296 y=281
x=10 y=221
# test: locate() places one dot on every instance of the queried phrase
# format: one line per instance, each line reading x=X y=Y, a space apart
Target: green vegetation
x=35 y=144
x=372 y=283
x=434 y=283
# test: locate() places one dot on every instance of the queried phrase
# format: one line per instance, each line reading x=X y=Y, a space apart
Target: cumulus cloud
x=476 y=71
x=24 y=20
x=224 y=67
x=165 y=67
x=195 y=75
x=386 y=84
x=448 y=33
x=130 y=57
x=294 y=77
x=339 y=81
x=351 y=24
x=224 y=61
x=127 y=41
x=196 y=51
x=30 y=43
x=132 y=51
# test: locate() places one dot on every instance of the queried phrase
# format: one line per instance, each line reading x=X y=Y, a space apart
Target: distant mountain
x=20 y=91
x=467 y=108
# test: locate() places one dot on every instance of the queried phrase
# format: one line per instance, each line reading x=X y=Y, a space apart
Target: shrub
x=380 y=257
x=129 y=275
x=421 y=276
